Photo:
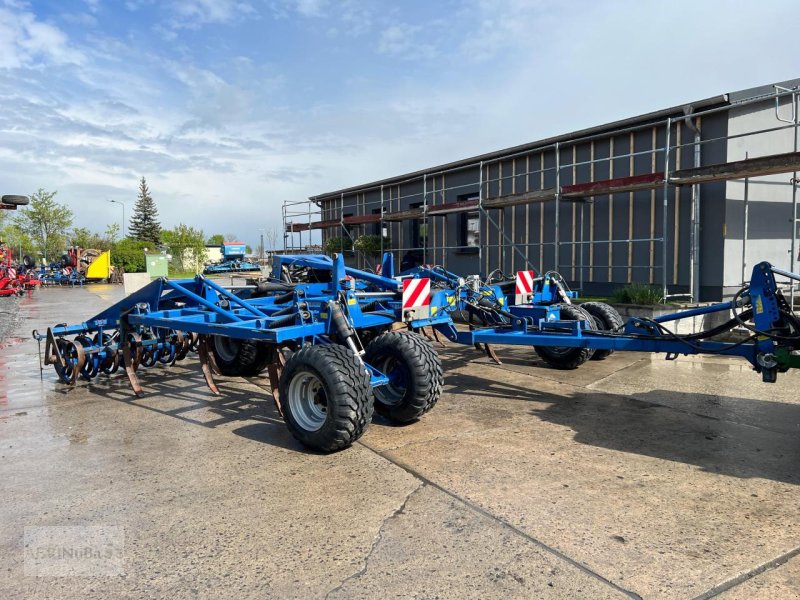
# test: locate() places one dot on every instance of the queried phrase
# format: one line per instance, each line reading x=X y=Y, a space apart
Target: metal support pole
x=380 y=224
x=664 y=215
x=557 y=238
x=694 y=229
x=580 y=272
x=746 y=224
x=120 y=202
x=795 y=220
x=425 y=218
x=481 y=241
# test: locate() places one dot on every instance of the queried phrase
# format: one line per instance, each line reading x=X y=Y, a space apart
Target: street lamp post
x=123 y=215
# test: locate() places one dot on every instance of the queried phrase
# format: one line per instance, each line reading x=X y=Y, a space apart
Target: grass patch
x=638 y=293
x=181 y=274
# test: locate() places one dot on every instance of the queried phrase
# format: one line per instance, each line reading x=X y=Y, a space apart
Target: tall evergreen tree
x=144 y=222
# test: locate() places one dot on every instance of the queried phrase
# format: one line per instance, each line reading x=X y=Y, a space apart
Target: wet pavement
x=631 y=477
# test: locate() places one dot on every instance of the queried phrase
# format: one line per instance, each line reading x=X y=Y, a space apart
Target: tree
x=129 y=254
x=46 y=222
x=144 y=222
x=84 y=238
x=231 y=237
x=216 y=240
x=18 y=240
x=371 y=245
x=80 y=237
x=112 y=232
x=187 y=246
x=271 y=235
x=338 y=244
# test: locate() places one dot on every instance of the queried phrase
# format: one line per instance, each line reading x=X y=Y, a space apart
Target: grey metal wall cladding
x=604 y=241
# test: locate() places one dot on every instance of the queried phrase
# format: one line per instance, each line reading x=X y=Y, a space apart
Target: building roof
x=728 y=98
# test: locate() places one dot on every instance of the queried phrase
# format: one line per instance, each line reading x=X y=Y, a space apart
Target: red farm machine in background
x=15 y=279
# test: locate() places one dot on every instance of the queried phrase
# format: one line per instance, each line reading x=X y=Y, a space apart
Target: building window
x=472 y=229
x=419 y=230
x=377 y=227
x=469 y=235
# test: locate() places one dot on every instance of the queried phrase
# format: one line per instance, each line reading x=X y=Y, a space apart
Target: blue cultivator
x=566 y=335
x=233 y=261
x=309 y=336
x=328 y=336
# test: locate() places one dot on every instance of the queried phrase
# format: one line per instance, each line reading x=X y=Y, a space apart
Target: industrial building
x=687 y=198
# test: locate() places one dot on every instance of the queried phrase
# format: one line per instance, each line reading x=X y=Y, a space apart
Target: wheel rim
x=393 y=392
x=308 y=401
x=227 y=348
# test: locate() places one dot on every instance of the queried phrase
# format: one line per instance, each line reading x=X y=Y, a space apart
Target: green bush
x=129 y=254
x=638 y=293
x=337 y=244
x=370 y=244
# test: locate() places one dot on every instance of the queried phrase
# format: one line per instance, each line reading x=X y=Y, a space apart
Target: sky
x=231 y=107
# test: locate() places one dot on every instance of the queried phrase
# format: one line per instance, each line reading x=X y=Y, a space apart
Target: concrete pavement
x=631 y=476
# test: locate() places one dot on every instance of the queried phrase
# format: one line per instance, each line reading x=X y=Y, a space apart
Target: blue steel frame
x=640 y=335
x=305 y=315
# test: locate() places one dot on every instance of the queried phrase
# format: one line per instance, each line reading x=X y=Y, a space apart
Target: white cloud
x=25 y=41
x=223 y=136
x=404 y=41
x=310 y=8
x=195 y=13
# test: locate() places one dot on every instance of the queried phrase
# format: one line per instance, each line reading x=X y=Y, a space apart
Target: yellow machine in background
x=100 y=267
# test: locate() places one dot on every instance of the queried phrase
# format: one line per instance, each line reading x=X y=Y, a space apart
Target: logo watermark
x=74 y=551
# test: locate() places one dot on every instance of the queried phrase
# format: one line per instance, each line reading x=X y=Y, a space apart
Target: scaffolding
x=565 y=176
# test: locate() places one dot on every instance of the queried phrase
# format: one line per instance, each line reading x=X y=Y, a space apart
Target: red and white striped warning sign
x=524 y=288
x=416 y=292
x=12 y=273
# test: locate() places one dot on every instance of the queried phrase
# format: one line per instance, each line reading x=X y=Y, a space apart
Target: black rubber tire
x=242 y=358
x=564 y=357
x=15 y=200
x=28 y=261
x=607 y=319
x=410 y=357
x=347 y=394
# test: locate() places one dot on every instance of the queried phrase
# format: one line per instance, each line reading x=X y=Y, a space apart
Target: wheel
x=28 y=261
x=326 y=397
x=15 y=200
x=607 y=319
x=244 y=358
x=414 y=371
x=564 y=357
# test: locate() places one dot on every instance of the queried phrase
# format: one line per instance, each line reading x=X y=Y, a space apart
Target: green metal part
x=786 y=359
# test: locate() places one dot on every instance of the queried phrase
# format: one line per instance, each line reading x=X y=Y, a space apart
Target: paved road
x=628 y=477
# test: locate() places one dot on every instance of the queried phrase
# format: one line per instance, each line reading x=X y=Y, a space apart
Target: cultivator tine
x=427 y=332
x=203 y=353
x=485 y=348
x=212 y=359
x=183 y=344
x=130 y=360
x=194 y=341
x=274 y=369
x=489 y=349
x=439 y=340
